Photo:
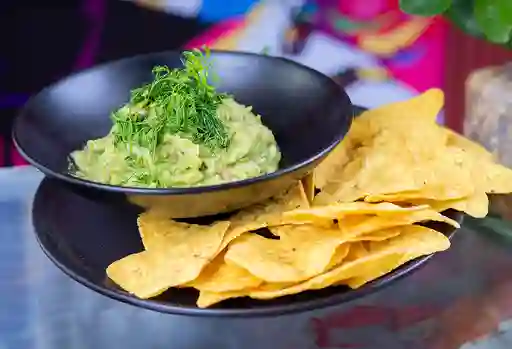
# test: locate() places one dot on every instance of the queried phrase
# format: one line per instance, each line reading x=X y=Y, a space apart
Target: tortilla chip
x=387 y=262
x=396 y=152
x=476 y=205
x=266 y=214
x=413 y=241
x=301 y=252
x=339 y=255
x=355 y=228
x=308 y=183
x=220 y=276
x=184 y=251
x=324 y=215
x=333 y=163
x=440 y=176
x=396 y=119
x=497 y=178
x=425 y=107
x=474 y=149
x=431 y=194
x=357 y=250
x=493 y=177
x=207 y=298
x=377 y=235
x=397 y=116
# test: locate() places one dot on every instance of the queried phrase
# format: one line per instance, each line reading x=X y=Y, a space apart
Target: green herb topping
x=177 y=101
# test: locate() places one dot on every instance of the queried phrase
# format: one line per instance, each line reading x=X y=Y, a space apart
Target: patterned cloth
x=206 y=10
x=409 y=49
x=379 y=54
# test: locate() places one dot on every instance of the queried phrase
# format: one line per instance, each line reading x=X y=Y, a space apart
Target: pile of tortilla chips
x=395 y=168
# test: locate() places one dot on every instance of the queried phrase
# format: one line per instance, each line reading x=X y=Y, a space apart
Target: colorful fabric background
x=370 y=47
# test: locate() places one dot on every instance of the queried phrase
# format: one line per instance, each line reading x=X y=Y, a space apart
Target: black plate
x=82 y=237
x=306 y=111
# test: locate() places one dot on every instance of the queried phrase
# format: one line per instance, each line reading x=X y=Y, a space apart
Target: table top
x=460 y=299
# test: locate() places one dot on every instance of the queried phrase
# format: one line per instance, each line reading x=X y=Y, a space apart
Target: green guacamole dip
x=178 y=161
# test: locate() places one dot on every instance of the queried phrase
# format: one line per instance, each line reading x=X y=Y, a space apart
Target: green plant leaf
x=491 y=22
x=504 y=10
x=425 y=7
x=461 y=14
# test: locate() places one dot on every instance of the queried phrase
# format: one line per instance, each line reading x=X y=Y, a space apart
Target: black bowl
x=307 y=112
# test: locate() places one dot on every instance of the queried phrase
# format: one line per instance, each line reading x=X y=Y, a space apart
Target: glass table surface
x=462 y=298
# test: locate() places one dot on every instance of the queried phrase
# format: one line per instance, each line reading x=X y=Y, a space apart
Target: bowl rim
x=179 y=190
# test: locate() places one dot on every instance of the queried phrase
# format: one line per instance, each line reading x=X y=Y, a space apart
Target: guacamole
x=180 y=161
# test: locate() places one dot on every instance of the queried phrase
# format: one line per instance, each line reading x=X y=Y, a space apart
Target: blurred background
x=370 y=47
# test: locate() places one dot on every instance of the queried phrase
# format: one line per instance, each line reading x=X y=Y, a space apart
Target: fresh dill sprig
x=177 y=101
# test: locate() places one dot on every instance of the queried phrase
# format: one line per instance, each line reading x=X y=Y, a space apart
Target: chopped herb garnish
x=177 y=101
x=265 y=51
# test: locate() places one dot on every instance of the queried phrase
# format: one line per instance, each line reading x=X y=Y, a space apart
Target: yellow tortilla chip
x=423 y=241
x=397 y=119
x=333 y=163
x=357 y=250
x=474 y=149
x=323 y=215
x=184 y=251
x=387 y=262
x=157 y=231
x=208 y=298
x=266 y=214
x=399 y=152
x=363 y=168
x=440 y=176
x=220 y=276
x=497 y=178
x=395 y=123
x=308 y=183
x=487 y=173
x=339 y=255
x=399 y=116
x=431 y=193
x=377 y=235
x=413 y=241
x=476 y=205
x=355 y=228
x=301 y=252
